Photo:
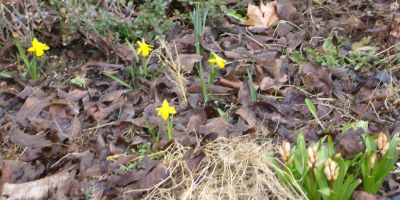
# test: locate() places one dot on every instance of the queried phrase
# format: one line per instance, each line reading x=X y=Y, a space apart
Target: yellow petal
x=171 y=110
x=31 y=49
x=212 y=60
x=165 y=103
x=39 y=52
x=35 y=42
x=221 y=64
x=145 y=53
x=165 y=115
x=45 y=47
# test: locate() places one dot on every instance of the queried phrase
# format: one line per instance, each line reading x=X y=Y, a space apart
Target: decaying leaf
x=20 y=138
x=247 y=115
x=350 y=143
x=39 y=189
x=263 y=16
x=286 y=10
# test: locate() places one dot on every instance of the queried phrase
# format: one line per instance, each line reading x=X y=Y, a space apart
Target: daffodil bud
x=284 y=151
x=312 y=153
x=372 y=161
x=331 y=170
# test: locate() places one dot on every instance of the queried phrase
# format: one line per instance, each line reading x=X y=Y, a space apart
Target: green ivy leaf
x=79 y=81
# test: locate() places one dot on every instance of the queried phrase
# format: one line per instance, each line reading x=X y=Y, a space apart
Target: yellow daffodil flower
x=217 y=60
x=38 y=48
x=144 y=48
x=165 y=110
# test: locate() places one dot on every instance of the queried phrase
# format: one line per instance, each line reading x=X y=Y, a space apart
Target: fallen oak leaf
x=263 y=16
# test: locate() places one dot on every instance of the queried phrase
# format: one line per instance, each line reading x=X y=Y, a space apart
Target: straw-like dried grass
x=237 y=168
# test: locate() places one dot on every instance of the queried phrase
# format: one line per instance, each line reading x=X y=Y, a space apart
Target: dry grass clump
x=237 y=168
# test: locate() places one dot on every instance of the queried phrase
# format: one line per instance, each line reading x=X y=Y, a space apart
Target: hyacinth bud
x=284 y=151
x=382 y=143
x=372 y=161
x=381 y=140
x=385 y=149
x=312 y=153
x=331 y=170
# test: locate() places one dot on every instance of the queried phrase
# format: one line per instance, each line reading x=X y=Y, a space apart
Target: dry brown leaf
x=188 y=61
x=38 y=189
x=361 y=195
x=22 y=139
x=263 y=16
x=248 y=115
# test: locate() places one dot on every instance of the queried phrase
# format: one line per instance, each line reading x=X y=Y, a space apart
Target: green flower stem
x=169 y=128
x=33 y=69
x=42 y=62
x=143 y=68
x=213 y=74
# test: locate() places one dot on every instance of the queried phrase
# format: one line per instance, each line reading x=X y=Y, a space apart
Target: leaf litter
x=56 y=137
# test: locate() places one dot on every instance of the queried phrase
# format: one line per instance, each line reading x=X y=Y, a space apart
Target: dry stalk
x=175 y=70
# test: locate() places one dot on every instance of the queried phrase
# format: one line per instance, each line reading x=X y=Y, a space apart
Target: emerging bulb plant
x=378 y=161
x=165 y=111
x=318 y=171
x=38 y=49
x=144 y=50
